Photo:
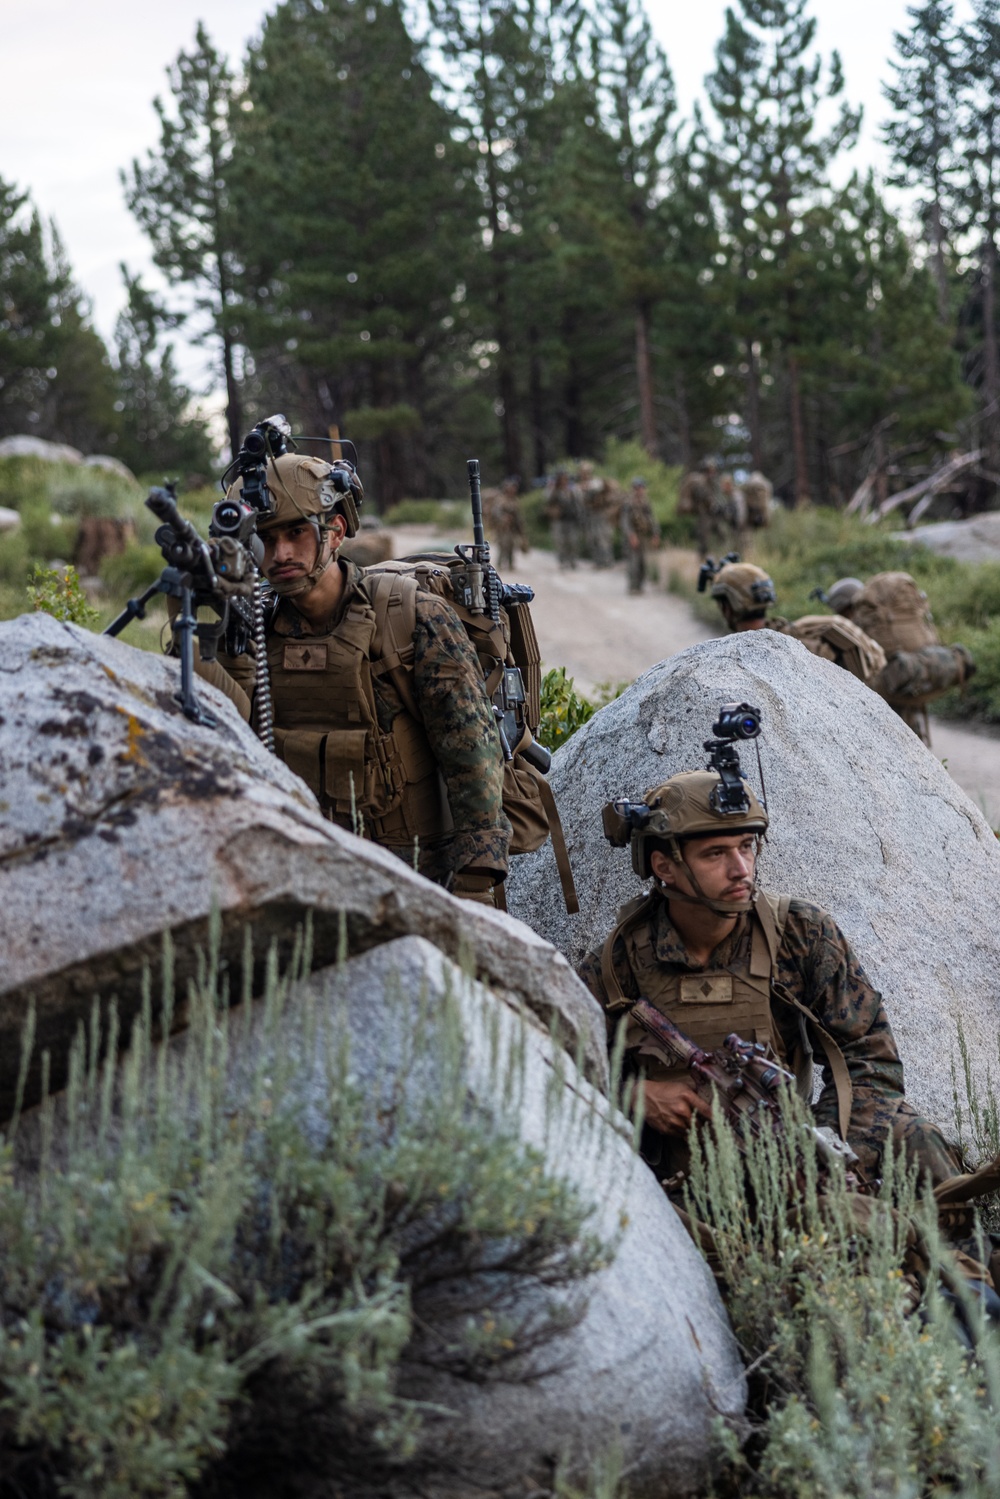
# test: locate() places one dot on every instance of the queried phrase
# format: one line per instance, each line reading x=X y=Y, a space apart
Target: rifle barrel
x=478 y=530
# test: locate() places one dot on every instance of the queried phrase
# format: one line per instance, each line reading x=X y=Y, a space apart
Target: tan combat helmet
x=309 y=489
x=688 y=805
x=745 y=589
x=842 y=594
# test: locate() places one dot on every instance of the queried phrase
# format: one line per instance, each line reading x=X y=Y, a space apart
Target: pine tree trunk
x=753 y=408
x=991 y=355
x=798 y=433
x=940 y=266
x=644 y=380
x=683 y=421
x=571 y=393
x=234 y=404
x=536 y=400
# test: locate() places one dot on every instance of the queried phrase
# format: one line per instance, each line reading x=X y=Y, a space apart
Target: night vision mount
x=710 y=567
x=736 y=721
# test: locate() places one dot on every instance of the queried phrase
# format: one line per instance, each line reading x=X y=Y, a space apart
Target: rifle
x=483 y=592
x=220 y=573
x=749 y=1087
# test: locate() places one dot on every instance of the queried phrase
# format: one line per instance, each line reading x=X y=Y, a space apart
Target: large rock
x=973 y=540
x=865 y=822
x=121 y=821
x=37 y=447
x=651 y=1363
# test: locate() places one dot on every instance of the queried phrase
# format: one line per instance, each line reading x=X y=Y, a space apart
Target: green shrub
x=57 y=591
x=131 y=571
x=854 y=1392
x=564 y=710
x=93 y=491
x=208 y=1277
x=418 y=513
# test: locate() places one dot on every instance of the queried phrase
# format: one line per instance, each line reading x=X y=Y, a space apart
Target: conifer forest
x=489 y=228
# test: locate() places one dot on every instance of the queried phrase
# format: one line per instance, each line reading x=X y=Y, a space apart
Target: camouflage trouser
x=505 y=550
x=921 y=1142
x=601 y=533
x=916 y=719
x=713 y=533
x=566 y=537
x=635 y=567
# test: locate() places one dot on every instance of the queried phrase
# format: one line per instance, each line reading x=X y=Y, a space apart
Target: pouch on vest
x=841 y=641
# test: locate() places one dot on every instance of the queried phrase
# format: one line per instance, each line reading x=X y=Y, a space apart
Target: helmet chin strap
x=290 y=588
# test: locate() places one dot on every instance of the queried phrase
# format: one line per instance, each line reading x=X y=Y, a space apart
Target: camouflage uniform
x=816 y=964
x=599 y=504
x=702 y=496
x=506 y=523
x=456 y=724
x=639 y=532
x=564 y=508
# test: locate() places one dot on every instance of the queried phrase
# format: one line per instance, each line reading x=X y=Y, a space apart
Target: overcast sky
x=79 y=79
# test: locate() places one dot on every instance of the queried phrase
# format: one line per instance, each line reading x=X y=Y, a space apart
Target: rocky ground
x=588 y=623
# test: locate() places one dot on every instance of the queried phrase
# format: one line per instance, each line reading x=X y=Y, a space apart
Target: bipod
x=176 y=584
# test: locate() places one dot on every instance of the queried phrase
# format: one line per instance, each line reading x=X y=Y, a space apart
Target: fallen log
x=927 y=488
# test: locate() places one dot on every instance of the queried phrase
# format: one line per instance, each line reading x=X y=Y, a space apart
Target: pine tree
x=55 y=376
x=922 y=133
x=181 y=198
x=977 y=198
x=356 y=219
x=771 y=164
x=157 y=428
x=628 y=171
x=504 y=64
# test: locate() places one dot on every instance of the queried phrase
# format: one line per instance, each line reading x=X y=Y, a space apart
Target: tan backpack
x=894 y=611
x=508 y=656
x=841 y=641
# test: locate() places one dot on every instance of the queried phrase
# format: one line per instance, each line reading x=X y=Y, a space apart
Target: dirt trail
x=588 y=623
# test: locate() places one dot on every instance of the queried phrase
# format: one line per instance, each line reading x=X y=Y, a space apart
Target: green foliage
x=564 y=710
x=977 y=1118
x=92 y=491
x=129 y=572
x=57 y=591
x=854 y=1391
x=208 y=1267
x=418 y=513
x=158 y=430
x=55 y=376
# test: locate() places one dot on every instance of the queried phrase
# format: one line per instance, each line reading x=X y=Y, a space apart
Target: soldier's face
x=291 y=551
x=723 y=866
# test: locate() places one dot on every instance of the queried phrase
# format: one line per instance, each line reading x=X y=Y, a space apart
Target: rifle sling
x=558 y=842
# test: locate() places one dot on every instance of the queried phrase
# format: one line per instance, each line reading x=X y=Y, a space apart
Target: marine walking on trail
x=702 y=496
x=505 y=521
x=640 y=533
x=564 y=510
x=602 y=500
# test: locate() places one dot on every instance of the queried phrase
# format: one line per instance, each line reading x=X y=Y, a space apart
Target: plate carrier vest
x=710 y=1003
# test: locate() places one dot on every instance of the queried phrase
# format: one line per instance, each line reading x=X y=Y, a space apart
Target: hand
x=671 y=1105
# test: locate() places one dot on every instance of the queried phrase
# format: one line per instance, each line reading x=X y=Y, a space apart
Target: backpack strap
x=394 y=599
x=558 y=842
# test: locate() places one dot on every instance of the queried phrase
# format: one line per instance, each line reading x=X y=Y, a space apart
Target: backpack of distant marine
x=894 y=611
x=509 y=656
x=841 y=641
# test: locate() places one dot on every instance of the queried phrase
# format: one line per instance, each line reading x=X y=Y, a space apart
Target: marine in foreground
x=707 y=948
